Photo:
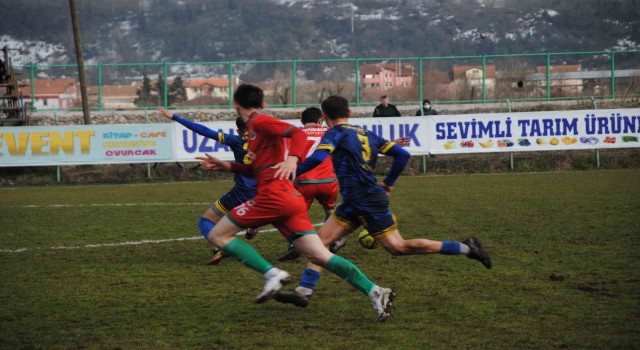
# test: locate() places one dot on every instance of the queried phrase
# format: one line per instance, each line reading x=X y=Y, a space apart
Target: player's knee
x=205 y=226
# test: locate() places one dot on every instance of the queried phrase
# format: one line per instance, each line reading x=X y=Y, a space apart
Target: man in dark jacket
x=426 y=109
x=385 y=109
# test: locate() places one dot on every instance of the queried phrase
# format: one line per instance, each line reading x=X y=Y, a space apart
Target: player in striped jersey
x=354 y=152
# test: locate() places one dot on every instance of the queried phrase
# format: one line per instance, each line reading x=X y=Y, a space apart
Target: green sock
x=245 y=253
x=350 y=273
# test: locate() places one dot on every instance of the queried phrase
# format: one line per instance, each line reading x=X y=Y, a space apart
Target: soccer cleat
x=336 y=245
x=251 y=232
x=293 y=297
x=476 y=252
x=217 y=257
x=291 y=254
x=381 y=299
x=272 y=285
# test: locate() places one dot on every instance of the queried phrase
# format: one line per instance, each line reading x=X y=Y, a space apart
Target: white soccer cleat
x=381 y=299
x=273 y=284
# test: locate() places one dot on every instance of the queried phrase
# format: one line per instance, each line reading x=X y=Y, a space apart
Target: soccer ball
x=366 y=240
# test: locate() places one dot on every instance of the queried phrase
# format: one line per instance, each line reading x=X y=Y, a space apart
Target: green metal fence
x=541 y=76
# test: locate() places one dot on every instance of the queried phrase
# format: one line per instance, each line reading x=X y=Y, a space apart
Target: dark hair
x=383 y=96
x=311 y=115
x=336 y=107
x=426 y=101
x=248 y=96
x=240 y=124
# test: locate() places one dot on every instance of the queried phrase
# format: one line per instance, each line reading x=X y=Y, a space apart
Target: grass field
x=123 y=266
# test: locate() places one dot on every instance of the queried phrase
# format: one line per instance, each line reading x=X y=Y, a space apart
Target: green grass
x=565 y=248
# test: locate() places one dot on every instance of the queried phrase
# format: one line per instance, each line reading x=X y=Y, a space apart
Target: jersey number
x=366 y=149
x=316 y=142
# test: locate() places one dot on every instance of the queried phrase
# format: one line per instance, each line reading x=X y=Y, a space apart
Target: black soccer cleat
x=476 y=252
x=292 y=297
x=251 y=232
x=291 y=254
x=217 y=257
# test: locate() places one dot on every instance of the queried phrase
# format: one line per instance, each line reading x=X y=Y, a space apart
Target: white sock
x=464 y=249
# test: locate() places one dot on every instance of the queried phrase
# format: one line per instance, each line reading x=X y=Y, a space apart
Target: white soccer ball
x=366 y=240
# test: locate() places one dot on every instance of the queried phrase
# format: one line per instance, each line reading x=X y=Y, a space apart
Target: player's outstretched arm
x=165 y=113
x=400 y=159
x=212 y=163
x=199 y=128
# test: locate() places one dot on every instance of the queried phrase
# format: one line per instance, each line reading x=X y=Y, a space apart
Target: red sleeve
x=269 y=125
x=244 y=169
x=298 y=143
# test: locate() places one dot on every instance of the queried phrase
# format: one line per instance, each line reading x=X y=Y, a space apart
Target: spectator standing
x=426 y=109
x=385 y=109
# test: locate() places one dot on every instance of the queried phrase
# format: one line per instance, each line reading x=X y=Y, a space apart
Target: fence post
x=484 y=79
x=421 y=82
x=357 y=62
x=165 y=88
x=230 y=85
x=293 y=82
x=613 y=75
x=548 y=75
x=32 y=77
x=100 y=108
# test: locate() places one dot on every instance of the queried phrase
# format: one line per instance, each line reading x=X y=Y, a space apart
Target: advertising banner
x=189 y=145
x=439 y=134
x=535 y=131
x=85 y=144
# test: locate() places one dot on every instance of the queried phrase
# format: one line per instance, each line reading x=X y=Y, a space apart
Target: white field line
x=130 y=243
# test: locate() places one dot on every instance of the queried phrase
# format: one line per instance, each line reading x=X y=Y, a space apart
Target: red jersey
x=265 y=140
x=324 y=172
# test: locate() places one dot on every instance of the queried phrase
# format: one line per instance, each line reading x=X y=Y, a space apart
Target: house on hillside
x=213 y=87
x=563 y=80
x=474 y=76
x=382 y=77
x=52 y=93
x=114 y=96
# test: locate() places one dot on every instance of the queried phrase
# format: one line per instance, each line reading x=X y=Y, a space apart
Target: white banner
x=440 y=134
x=534 y=131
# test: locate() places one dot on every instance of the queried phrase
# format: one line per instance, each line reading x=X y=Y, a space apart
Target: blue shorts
x=371 y=211
x=232 y=199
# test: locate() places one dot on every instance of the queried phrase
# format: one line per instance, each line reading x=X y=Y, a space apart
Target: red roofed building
x=386 y=76
x=561 y=83
x=114 y=96
x=214 y=87
x=52 y=93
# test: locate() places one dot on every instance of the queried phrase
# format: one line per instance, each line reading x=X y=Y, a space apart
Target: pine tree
x=160 y=90
x=177 y=93
x=144 y=93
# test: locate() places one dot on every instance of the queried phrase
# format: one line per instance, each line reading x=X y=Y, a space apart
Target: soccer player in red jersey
x=320 y=183
x=278 y=203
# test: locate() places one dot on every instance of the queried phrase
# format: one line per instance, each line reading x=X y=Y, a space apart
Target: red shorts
x=325 y=193
x=281 y=206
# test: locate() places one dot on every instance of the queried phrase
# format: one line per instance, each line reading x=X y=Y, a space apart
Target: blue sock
x=205 y=225
x=309 y=278
x=450 y=248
